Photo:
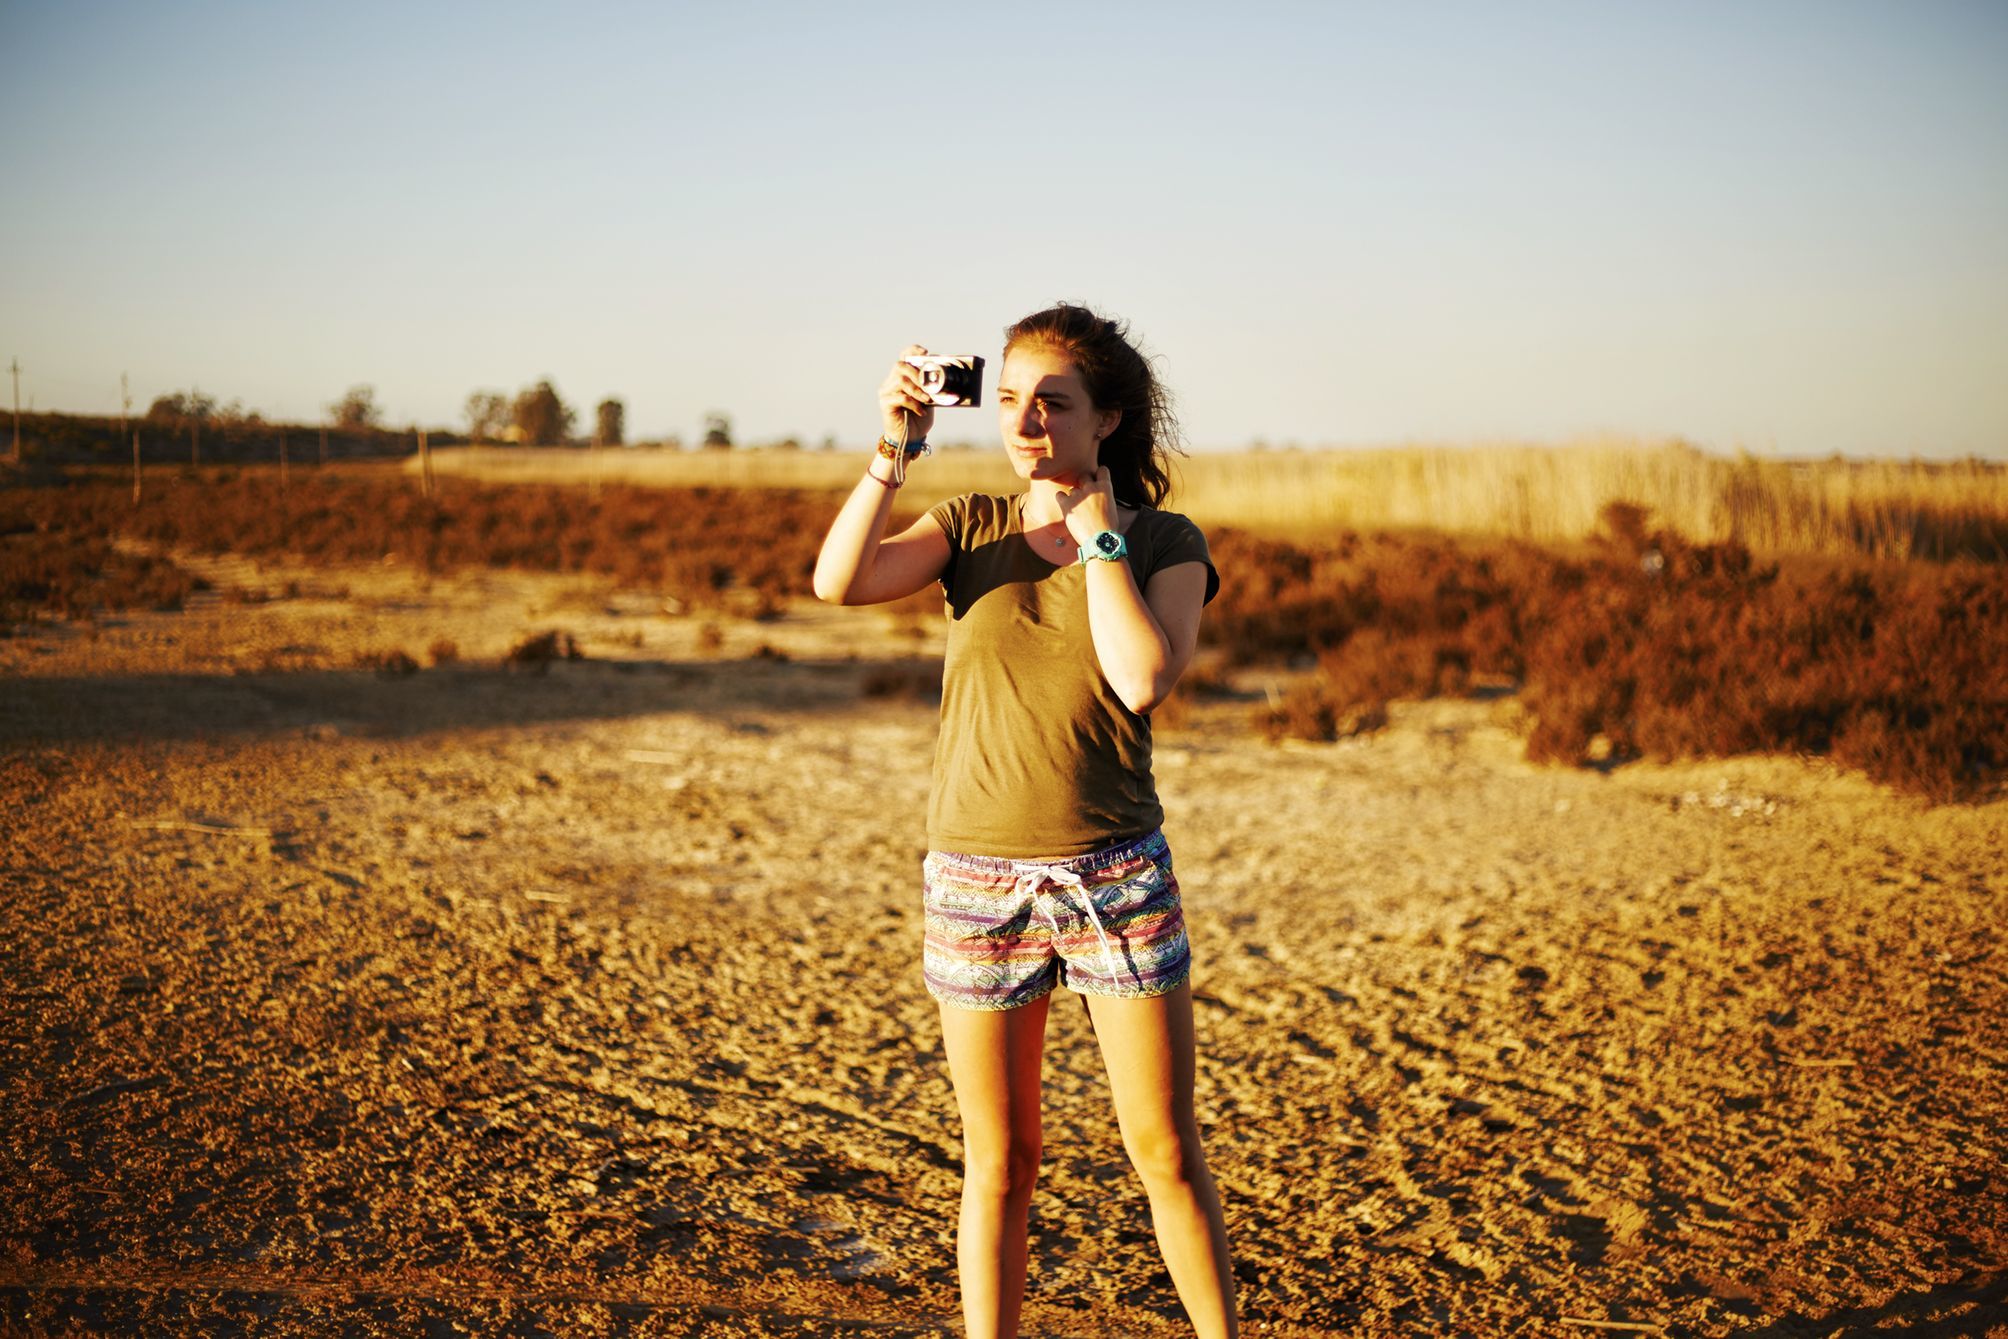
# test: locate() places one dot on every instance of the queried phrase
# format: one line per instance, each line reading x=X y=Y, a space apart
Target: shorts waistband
x=1152 y=843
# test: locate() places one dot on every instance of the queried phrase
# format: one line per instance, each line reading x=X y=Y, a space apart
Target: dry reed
x=1883 y=509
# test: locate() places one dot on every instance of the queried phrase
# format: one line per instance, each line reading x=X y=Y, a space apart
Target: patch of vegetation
x=1643 y=646
x=1636 y=644
x=538 y=651
x=71 y=574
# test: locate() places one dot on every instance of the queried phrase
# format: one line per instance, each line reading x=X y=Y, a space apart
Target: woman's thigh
x=994 y=1059
x=1147 y=1048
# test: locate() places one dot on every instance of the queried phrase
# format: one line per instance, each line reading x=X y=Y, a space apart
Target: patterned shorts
x=1001 y=933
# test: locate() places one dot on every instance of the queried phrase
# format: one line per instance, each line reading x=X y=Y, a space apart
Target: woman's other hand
x=1090 y=506
x=904 y=402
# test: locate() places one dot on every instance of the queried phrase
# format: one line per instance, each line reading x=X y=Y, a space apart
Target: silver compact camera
x=951 y=379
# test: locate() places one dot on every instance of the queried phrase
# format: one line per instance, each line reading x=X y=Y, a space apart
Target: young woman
x=1075 y=607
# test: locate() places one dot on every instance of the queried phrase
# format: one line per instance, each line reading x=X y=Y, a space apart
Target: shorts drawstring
x=1031 y=880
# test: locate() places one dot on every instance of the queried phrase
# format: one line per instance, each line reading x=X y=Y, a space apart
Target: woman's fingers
x=903 y=393
x=902 y=385
x=905 y=376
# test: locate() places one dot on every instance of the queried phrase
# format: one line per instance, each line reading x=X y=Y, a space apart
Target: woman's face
x=1051 y=429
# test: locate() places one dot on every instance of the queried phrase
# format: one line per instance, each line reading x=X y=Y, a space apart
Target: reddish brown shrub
x=390 y=664
x=73 y=575
x=1657 y=646
x=1645 y=645
x=538 y=651
x=704 y=546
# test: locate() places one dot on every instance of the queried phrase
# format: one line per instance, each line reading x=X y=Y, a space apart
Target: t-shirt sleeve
x=953 y=518
x=1177 y=541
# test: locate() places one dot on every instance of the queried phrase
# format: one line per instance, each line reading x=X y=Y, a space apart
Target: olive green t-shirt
x=1037 y=756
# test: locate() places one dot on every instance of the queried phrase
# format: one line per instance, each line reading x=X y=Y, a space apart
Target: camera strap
x=900 y=455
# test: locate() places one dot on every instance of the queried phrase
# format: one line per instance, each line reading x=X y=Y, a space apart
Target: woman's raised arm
x=856 y=566
x=857 y=563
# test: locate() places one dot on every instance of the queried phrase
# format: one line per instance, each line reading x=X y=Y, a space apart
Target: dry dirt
x=587 y=1002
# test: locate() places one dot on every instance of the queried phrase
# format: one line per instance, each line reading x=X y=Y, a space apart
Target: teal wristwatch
x=1107 y=546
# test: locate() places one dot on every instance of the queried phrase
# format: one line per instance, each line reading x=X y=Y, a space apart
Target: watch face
x=1109 y=542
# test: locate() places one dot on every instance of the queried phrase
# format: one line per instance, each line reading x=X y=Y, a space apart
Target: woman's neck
x=1042 y=505
x=1042 y=502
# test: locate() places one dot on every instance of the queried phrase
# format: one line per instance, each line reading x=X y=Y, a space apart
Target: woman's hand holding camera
x=904 y=402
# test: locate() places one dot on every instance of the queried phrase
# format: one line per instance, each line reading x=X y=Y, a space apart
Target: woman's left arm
x=1143 y=637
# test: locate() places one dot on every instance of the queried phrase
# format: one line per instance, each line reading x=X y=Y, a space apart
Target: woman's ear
x=1110 y=418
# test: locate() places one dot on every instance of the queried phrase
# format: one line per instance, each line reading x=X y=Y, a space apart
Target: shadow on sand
x=1917 y=1313
x=448 y=698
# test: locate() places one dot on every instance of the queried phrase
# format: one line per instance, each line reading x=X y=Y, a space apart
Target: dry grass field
x=496 y=913
x=1836 y=508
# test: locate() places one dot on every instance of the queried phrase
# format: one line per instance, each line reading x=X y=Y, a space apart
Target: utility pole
x=125 y=425
x=285 y=496
x=16 y=369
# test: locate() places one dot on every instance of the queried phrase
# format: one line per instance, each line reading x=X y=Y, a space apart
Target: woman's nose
x=1031 y=422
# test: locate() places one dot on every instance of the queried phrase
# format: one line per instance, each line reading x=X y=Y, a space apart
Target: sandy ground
x=588 y=1002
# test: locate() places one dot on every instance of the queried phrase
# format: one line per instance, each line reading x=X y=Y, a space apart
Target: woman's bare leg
x=994 y=1060
x=1148 y=1050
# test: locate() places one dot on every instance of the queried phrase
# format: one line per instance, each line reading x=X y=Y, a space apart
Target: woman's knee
x=1006 y=1168
x=1165 y=1155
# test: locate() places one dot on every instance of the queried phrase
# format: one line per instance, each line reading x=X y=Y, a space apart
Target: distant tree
x=487 y=414
x=182 y=407
x=717 y=430
x=788 y=444
x=612 y=419
x=356 y=410
x=540 y=417
x=236 y=422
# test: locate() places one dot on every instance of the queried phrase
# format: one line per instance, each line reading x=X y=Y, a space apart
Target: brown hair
x=1117 y=376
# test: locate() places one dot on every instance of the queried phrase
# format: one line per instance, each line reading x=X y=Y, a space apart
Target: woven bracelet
x=891 y=450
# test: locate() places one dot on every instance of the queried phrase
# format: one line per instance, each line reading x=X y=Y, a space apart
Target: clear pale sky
x=1780 y=226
